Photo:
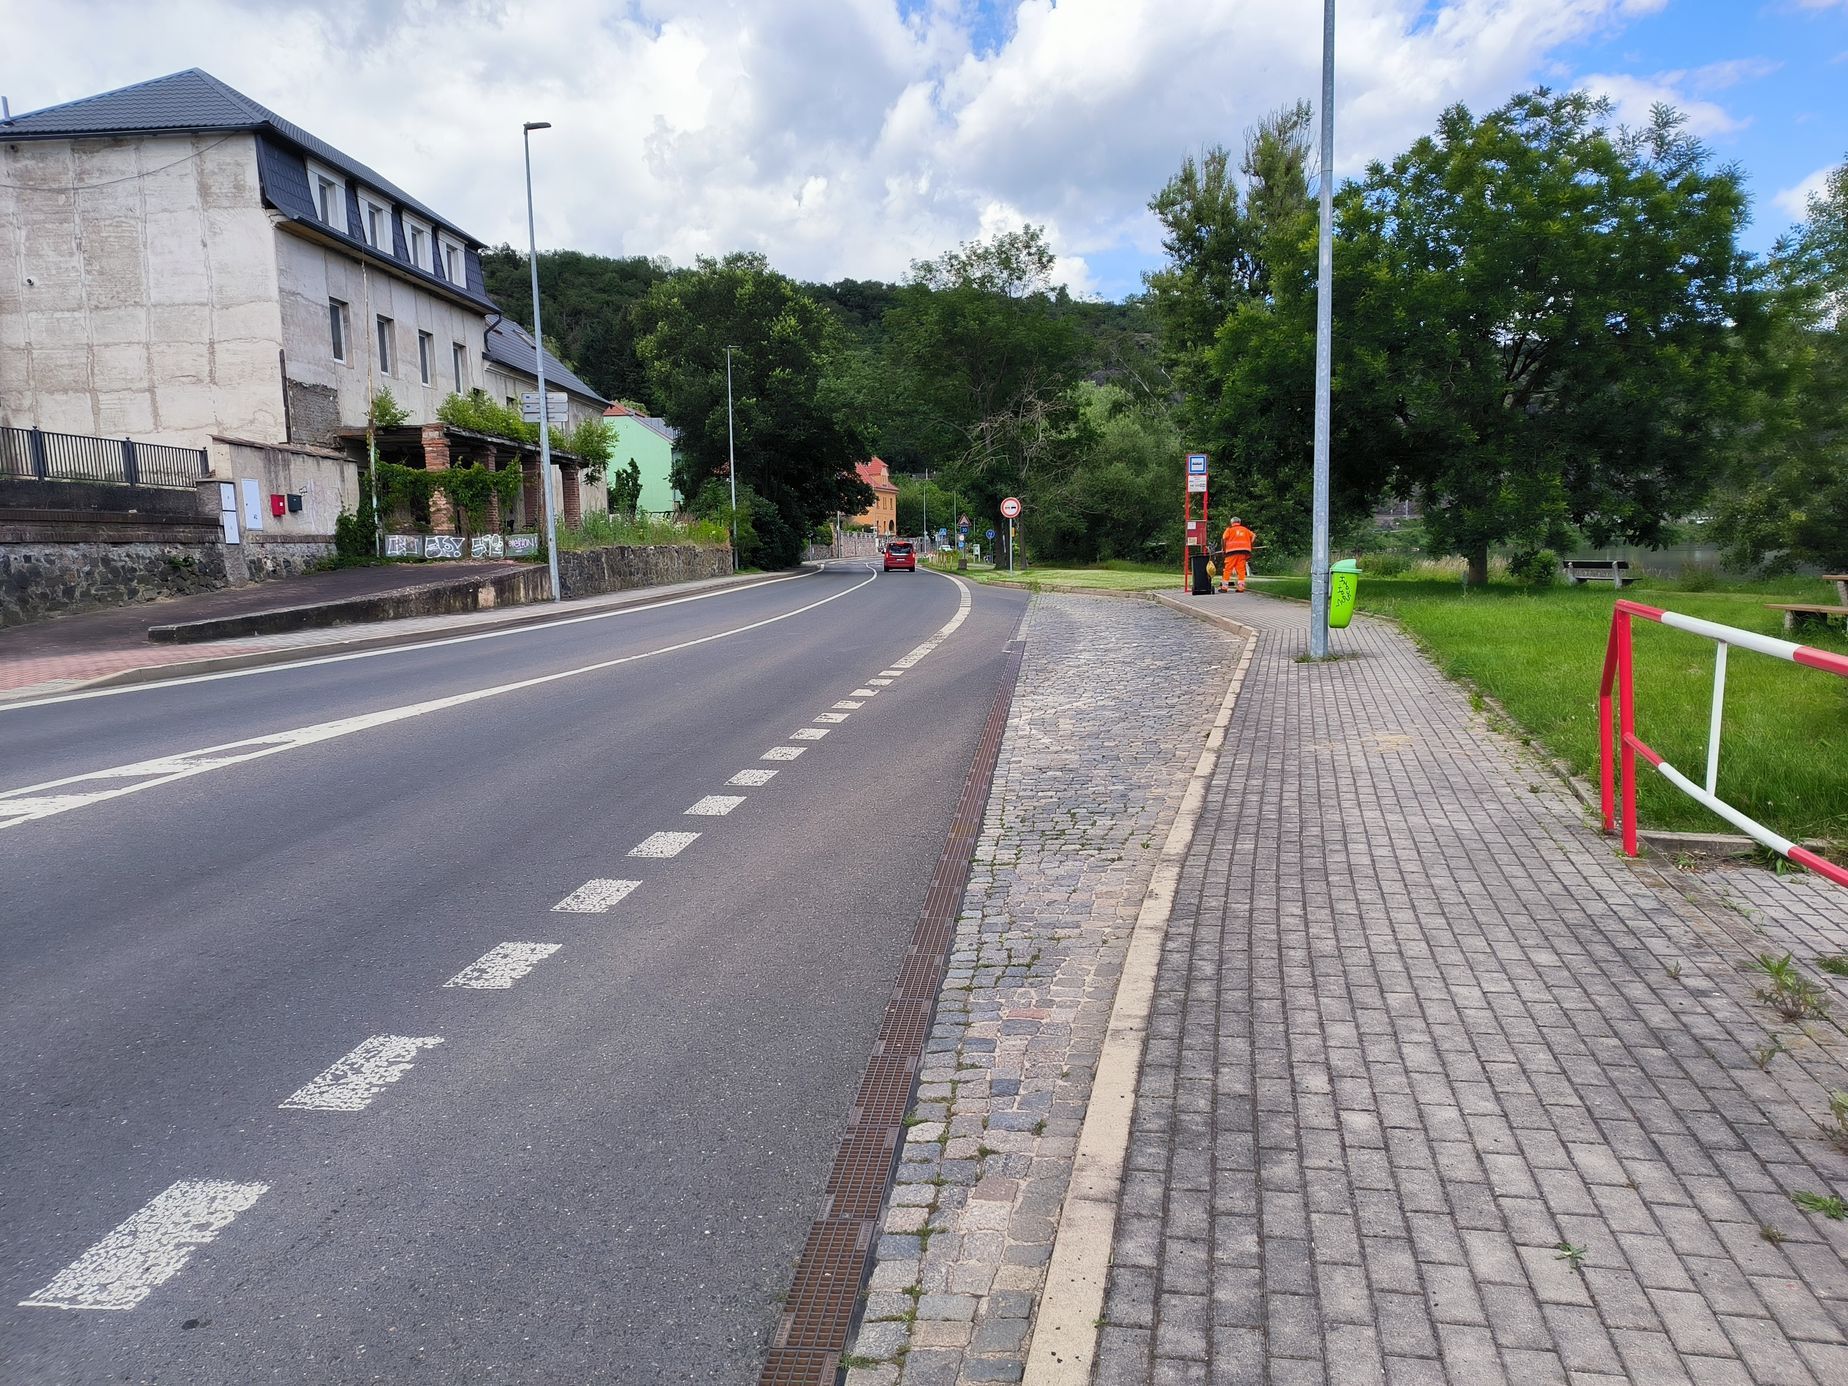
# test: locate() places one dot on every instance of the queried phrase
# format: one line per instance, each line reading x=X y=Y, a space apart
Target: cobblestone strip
x=1108 y=721
x=1438 y=1089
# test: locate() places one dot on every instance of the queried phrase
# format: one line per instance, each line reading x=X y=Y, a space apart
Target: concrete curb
x=285 y=654
x=1065 y=1330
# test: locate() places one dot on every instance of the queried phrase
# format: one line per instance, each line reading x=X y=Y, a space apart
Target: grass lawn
x=1108 y=577
x=1784 y=752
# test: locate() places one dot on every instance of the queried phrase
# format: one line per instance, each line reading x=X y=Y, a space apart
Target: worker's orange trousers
x=1236 y=567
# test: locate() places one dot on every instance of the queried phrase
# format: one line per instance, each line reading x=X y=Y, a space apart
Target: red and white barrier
x=1625 y=746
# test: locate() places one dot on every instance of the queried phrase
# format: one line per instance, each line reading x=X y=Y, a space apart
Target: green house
x=650 y=442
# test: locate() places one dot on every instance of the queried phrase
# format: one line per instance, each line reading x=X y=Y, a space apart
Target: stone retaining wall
x=624 y=566
x=38 y=580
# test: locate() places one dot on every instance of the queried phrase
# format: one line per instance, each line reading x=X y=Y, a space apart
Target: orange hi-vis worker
x=1238 y=545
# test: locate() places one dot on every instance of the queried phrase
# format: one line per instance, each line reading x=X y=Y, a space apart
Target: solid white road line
x=351 y=1084
x=717 y=805
x=833 y=716
x=150 y=1248
x=594 y=897
x=30 y=803
x=662 y=845
x=501 y=966
x=782 y=753
x=809 y=733
x=752 y=777
x=83 y=696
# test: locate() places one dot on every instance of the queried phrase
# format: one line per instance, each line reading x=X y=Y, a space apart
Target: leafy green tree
x=1123 y=501
x=626 y=488
x=588 y=302
x=1544 y=323
x=1792 y=504
x=795 y=450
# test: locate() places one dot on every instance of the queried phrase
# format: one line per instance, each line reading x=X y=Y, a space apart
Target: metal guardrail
x=35 y=454
x=1625 y=746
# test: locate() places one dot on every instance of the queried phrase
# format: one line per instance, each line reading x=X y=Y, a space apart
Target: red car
x=900 y=554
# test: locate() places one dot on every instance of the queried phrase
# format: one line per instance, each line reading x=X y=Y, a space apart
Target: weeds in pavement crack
x=1828 y=1205
x=1789 y=992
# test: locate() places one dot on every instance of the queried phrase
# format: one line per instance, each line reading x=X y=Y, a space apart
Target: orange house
x=882 y=515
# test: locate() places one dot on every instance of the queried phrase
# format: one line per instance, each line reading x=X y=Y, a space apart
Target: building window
x=452 y=264
x=329 y=198
x=378 y=226
x=426 y=348
x=458 y=357
x=384 y=345
x=337 y=326
x=417 y=246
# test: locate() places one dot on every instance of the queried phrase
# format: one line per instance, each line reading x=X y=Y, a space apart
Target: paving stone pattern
x=1439 y=1089
x=1112 y=709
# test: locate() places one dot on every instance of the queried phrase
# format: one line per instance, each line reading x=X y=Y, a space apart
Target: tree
x=626 y=489
x=587 y=301
x=1543 y=323
x=1791 y=506
x=795 y=451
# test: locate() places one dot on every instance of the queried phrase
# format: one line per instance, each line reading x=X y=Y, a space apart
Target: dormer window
x=327 y=193
x=452 y=263
x=416 y=238
x=377 y=222
x=327 y=198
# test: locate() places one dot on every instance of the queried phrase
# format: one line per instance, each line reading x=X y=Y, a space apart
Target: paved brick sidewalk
x=1106 y=727
x=1418 y=1028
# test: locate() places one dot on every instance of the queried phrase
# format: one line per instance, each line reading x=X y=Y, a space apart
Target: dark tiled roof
x=195 y=100
x=511 y=345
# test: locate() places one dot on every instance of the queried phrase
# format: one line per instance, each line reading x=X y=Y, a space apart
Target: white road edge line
x=253 y=748
x=716 y=805
x=150 y=1248
x=502 y=965
x=663 y=845
x=352 y=1083
x=594 y=897
x=310 y=663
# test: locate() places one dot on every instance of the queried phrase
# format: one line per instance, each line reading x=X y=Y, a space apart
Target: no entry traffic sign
x=1010 y=508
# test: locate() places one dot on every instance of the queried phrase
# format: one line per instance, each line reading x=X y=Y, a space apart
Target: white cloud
x=839 y=137
x=1634 y=97
x=1794 y=201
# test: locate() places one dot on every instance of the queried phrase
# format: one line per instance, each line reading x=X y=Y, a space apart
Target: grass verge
x=1108 y=577
x=1539 y=653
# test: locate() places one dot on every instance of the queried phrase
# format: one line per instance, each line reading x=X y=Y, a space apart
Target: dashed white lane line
x=834 y=717
x=31 y=802
x=880 y=683
x=352 y=1083
x=662 y=845
x=864 y=693
x=891 y=673
x=809 y=733
x=150 y=1248
x=849 y=704
x=594 y=897
x=782 y=753
x=716 y=805
x=752 y=777
x=501 y=966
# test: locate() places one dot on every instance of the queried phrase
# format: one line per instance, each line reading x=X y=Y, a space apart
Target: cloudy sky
x=848 y=137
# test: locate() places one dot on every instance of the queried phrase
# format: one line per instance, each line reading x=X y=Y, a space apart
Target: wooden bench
x=1612 y=570
x=1798 y=614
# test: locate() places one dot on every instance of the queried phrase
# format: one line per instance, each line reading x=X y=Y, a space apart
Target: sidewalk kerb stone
x=1065 y=1335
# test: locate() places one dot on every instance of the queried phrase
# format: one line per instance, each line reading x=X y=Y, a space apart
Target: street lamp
x=731 y=457
x=545 y=426
x=1324 y=349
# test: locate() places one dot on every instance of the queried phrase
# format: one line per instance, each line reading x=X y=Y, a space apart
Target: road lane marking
x=849 y=704
x=152 y=684
x=662 y=845
x=594 y=897
x=864 y=693
x=150 y=1248
x=502 y=965
x=833 y=717
x=352 y=1083
x=782 y=753
x=752 y=777
x=891 y=674
x=30 y=803
x=880 y=683
x=717 y=805
x=809 y=733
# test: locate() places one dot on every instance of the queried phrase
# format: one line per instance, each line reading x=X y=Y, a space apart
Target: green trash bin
x=1343 y=587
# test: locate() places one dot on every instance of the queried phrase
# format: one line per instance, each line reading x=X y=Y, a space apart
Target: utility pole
x=545 y=422
x=1324 y=348
x=731 y=457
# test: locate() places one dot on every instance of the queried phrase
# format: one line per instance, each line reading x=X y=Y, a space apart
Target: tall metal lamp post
x=731 y=458
x=1324 y=349
x=545 y=423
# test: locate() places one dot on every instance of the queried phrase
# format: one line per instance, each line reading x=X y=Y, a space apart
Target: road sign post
x=1193 y=531
x=1011 y=509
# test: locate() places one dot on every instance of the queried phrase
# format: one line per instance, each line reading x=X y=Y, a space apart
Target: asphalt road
x=247 y=1133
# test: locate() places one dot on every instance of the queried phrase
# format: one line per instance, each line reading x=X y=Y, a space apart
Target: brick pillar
x=532 y=505
x=436 y=459
x=490 y=458
x=574 y=495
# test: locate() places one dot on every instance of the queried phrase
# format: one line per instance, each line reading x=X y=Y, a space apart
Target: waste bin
x=1343 y=587
x=1202 y=584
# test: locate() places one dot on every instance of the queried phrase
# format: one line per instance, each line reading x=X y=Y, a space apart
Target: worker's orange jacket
x=1239 y=539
